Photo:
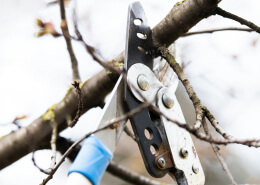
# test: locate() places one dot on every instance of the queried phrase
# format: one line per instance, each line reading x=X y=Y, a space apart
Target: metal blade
x=113 y=109
x=185 y=158
x=138 y=38
x=139 y=50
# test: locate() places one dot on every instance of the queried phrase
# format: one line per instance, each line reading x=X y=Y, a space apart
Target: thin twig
x=219 y=156
x=65 y=31
x=80 y=105
x=185 y=81
x=234 y=17
x=49 y=177
x=16 y=119
x=215 y=124
x=130 y=134
x=216 y=30
x=200 y=109
x=53 y=146
x=203 y=137
x=16 y=124
x=35 y=164
x=90 y=49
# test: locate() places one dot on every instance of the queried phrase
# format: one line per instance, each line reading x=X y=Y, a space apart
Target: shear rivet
x=161 y=163
x=168 y=100
x=195 y=168
x=143 y=82
x=184 y=152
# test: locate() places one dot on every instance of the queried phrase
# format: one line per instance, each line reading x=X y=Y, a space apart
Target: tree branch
x=129 y=133
x=17 y=144
x=219 y=156
x=50 y=175
x=234 y=17
x=53 y=146
x=216 y=30
x=209 y=139
x=201 y=111
x=180 y=19
x=185 y=81
x=91 y=50
x=38 y=167
x=80 y=104
x=65 y=31
x=215 y=124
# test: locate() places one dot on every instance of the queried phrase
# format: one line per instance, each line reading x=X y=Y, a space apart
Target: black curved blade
x=139 y=50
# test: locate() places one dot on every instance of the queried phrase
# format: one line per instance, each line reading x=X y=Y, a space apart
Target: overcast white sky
x=36 y=72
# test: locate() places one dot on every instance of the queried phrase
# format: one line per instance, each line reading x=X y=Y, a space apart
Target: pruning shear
x=165 y=147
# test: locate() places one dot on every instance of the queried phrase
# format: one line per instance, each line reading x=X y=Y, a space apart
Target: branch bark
x=218 y=154
x=17 y=144
x=180 y=19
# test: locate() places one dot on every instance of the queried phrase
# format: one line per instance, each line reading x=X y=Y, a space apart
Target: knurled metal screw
x=161 y=163
x=195 y=168
x=168 y=100
x=143 y=82
x=184 y=152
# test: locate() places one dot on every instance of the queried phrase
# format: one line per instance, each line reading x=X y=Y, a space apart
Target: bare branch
x=80 y=105
x=16 y=119
x=209 y=139
x=215 y=124
x=27 y=139
x=129 y=133
x=219 y=156
x=234 y=17
x=199 y=109
x=180 y=19
x=49 y=177
x=216 y=30
x=65 y=31
x=53 y=146
x=91 y=50
x=35 y=164
x=185 y=81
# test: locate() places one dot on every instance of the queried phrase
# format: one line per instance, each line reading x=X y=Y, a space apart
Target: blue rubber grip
x=92 y=160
